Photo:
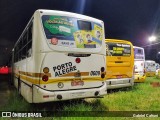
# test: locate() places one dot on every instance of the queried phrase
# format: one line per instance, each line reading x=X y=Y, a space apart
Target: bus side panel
x=26 y=92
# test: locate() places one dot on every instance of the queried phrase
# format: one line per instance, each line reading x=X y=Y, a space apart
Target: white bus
x=150 y=67
x=139 y=62
x=60 y=56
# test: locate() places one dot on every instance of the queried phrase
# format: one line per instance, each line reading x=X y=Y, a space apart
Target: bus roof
x=138 y=47
x=65 y=13
x=150 y=61
x=117 y=40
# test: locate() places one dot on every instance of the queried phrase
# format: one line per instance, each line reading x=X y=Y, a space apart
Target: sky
x=132 y=20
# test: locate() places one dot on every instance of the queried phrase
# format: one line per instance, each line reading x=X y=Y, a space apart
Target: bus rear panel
x=139 y=62
x=150 y=67
x=120 y=63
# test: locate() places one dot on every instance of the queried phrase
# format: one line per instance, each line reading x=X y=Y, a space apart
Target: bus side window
x=15 y=54
x=19 y=50
x=30 y=32
x=29 y=52
x=29 y=41
x=24 y=52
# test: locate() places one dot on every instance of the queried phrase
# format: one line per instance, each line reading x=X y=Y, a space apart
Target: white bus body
x=150 y=67
x=139 y=62
x=60 y=56
x=157 y=66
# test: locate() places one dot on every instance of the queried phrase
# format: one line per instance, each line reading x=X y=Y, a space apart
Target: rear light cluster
x=102 y=72
x=45 y=76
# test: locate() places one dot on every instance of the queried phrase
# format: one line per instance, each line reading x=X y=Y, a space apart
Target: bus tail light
x=45 y=78
x=78 y=60
x=102 y=75
x=102 y=69
x=46 y=70
x=103 y=72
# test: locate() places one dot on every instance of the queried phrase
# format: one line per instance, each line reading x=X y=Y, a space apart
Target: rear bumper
x=40 y=95
x=158 y=74
x=139 y=78
x=150 y=74
x=119 y=83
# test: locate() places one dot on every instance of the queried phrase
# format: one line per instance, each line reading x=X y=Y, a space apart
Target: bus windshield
x=138 y=53
x=118 y=49
x=72 y=32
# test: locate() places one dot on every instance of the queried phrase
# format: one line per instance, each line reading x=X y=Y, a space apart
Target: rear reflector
x=45 y=96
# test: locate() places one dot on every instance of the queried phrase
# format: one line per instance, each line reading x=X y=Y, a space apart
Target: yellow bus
x=120 y=63
x=150 y=67
x=139 y=61
x=60 y=56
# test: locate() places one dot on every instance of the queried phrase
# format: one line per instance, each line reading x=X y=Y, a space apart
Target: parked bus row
x=63 y=56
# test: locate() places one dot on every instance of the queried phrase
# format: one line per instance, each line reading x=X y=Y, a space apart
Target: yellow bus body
x=119 y=68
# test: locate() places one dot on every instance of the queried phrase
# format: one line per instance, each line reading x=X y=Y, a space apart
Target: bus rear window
x=138 y=53
x=118 y=49
x=84 y=25
x=72 y=32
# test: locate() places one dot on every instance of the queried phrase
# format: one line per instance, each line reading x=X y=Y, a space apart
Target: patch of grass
x=16 y=103
x=141 y=97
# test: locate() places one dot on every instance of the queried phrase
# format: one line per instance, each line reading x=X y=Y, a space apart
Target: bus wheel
x=19 y=86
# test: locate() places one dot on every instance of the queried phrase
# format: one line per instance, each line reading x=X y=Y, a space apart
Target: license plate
x=77 y=83
x=119 y=82
x=78 y=94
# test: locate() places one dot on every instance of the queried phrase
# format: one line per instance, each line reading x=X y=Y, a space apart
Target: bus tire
x=19 y=86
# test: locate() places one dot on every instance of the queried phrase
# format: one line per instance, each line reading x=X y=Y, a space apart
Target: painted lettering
x=64 y=69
